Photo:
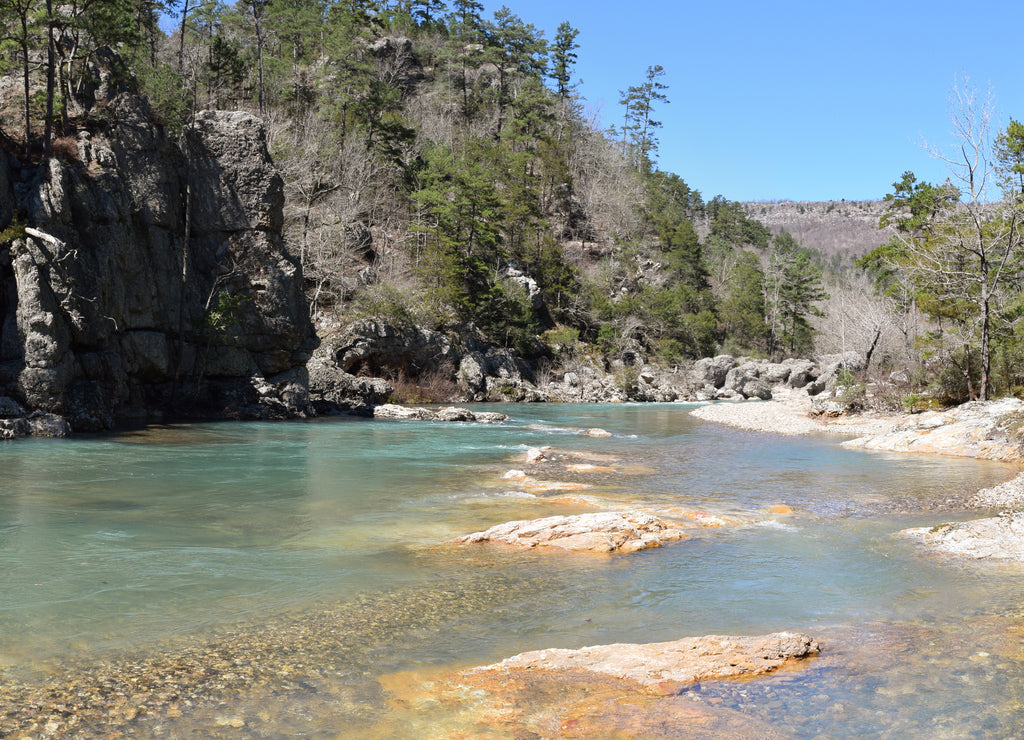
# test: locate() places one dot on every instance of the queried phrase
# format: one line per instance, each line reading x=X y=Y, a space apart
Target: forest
x=441 y=170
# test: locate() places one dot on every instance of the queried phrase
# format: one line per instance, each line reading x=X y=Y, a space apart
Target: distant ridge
x=841 y=229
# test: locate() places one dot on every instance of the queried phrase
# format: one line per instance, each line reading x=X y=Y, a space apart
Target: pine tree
x=563 y=57
x=638 y=138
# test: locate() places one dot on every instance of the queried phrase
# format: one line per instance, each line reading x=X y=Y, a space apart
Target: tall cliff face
x=109 y=314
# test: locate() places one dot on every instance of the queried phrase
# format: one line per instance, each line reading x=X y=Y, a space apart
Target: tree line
x=433 y=157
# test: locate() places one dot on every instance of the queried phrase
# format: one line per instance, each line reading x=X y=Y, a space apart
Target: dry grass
x=65 y=148
x=430 y=387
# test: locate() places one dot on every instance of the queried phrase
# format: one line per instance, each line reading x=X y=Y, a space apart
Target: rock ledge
x=684 y=661
x=624 y=531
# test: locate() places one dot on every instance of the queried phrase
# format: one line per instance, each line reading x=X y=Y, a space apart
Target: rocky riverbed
x=990 y=431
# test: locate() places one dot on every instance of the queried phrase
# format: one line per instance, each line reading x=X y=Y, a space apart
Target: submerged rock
x=621 y=531
x=993 y=538
x=684 y=661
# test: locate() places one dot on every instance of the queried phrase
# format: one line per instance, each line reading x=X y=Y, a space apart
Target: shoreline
x=789 y=413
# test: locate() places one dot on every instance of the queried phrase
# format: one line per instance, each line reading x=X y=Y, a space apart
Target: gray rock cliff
x=109 y=314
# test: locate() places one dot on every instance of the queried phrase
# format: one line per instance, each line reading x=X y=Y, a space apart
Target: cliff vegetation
x=445 y=192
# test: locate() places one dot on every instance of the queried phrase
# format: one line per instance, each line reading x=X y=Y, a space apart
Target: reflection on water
x=266 y=579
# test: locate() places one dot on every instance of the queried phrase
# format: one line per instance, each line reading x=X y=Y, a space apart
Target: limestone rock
x=450 y=413
x=376 y=347
x=684 y=661
x=711 y=370
x=746 y=380
x=986 y=430
x=9 y=408
x=332 y=390
x=107 y=312
x=620 y=531
x=993 y=538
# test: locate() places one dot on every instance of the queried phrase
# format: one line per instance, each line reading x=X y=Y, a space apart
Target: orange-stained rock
x=497 y=705
x=532 y=485
x=589 y=468
x=781 y=509
x=619 y=531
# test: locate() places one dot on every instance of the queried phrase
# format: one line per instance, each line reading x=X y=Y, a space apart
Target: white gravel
x=791 y=415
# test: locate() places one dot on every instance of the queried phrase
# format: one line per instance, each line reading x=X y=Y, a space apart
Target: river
x=290 y=579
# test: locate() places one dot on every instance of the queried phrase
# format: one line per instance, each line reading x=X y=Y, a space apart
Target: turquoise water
x=128 y=544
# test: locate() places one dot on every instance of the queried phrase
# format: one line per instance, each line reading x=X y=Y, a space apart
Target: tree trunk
x=51 y=79
x=25 y=81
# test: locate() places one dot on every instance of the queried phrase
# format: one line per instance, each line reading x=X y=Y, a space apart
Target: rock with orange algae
x=606 y=531
x=780 y=509
x=588 y=468
x=700 y=518
x=532 y=485
x=684 y=661
x=575 y=500
x=496 y=705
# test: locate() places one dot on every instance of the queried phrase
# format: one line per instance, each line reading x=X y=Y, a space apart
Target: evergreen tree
x=793 y=287
x=563 y=58
x=638 y=127
x=742 y=310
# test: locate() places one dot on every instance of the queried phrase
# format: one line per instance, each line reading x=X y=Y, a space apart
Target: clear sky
x=794 y=100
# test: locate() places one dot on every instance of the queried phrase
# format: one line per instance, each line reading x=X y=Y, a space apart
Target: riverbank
x=983 y=430
x=989 y=431
x=790 y=412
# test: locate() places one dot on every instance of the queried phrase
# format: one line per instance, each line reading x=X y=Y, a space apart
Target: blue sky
x=794 y=100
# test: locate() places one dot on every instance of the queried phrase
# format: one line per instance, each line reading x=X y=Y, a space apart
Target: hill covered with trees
x=441 y=171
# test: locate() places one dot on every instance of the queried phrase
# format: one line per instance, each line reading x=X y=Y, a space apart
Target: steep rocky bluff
x=108 y=314
x=842 y=230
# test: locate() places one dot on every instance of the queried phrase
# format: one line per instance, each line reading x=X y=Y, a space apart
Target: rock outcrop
x=460 y=362
x=986 y=430
x=992 y=538
x=334 y=391
x=109 y=313
x=684 y=661
x=620 y=531
x=448 y=413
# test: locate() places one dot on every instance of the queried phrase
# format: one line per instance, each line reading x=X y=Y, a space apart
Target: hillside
x=839 y=229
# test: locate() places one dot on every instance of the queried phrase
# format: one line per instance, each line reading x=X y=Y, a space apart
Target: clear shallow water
x=324 y=535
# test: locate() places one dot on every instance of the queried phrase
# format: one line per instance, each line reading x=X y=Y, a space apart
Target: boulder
x=684 y=661
x=602 y=532
x=746 y=380
x=332 y=390
x=495 y=374
x=377 y=348
x=711 y=371
x=42 y=424
x=801 y=373
x=832 y=366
